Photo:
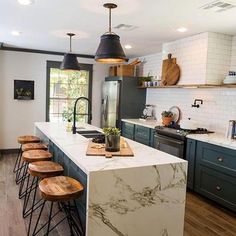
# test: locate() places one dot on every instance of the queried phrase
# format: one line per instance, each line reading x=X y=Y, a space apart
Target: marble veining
x=129 y=198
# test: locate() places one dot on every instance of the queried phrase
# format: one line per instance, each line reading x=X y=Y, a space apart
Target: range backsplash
x=219 y=105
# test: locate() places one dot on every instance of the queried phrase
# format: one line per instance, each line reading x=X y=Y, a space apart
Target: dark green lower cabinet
x=138 y=133
x=142 y=134
x=190 y=157
x=127 y=130
x=216 y=186
x=215 y=173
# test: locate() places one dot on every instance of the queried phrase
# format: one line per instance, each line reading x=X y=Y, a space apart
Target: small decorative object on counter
x=112 y=139
x=69 y=125
x=167 y=117
x=231 y=78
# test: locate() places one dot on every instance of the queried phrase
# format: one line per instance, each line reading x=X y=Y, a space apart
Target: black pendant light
x=70 y=61
x=109 y=49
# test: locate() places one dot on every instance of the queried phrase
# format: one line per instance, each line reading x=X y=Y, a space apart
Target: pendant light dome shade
x=110 y=49
x=70 y=61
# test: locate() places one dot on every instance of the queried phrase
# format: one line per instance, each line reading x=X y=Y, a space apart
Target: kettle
x=231 y=131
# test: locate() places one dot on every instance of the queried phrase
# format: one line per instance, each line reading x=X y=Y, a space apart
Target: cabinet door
x=216 y=186
x=190 y=157
x=142 y=134
x=127 y=130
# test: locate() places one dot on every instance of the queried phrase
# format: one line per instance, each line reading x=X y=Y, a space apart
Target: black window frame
x=56 y=64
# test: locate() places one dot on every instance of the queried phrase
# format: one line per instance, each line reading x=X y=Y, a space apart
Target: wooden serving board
x=170 y=71
x=96 y=149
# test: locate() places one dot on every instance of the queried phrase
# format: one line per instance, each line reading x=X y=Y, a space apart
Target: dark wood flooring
x=202 y=218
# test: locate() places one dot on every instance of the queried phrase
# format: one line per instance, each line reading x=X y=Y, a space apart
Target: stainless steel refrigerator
x=121 y=99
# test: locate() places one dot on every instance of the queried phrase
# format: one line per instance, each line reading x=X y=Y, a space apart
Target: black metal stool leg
x=49 y=219
x=19 y=175
x=17 y=160
x=25 y=175
x=37 y=222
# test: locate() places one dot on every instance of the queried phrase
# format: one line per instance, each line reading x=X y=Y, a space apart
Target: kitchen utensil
x=148 y=111
x=188 y=124
x=231 y=130
x=170 y=71
x=230 y=79
x=176 y=113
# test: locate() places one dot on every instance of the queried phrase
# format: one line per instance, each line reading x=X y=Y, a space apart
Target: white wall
x=233 y=56
x=204 y=57
x=18 y=117
x=218 y=57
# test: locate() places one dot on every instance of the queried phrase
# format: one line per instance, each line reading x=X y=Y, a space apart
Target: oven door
x=169 y=145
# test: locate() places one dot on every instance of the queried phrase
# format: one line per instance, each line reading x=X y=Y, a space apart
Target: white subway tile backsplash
x=203 y=58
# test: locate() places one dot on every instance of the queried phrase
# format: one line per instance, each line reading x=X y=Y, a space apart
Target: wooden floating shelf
x=192 y=86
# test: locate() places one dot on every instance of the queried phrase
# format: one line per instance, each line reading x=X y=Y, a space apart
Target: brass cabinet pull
x=220 y=159
x=218 y=188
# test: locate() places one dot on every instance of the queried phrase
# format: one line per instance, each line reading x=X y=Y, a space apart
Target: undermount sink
x=89 y=133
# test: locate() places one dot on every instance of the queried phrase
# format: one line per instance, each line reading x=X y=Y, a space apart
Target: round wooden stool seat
x=60 y=188
x=33 y=146
x=45 y=169
x=28 y=139
x=36 y=155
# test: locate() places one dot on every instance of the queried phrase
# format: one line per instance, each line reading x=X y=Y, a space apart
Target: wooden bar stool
x=63 y=190
x=23 y=140
x=29 y=157
x=38 y=170
x=28 y=147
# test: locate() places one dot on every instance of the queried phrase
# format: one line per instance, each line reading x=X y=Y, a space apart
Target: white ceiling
x=45 y=23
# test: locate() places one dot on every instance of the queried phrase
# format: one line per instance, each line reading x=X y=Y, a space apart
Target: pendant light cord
x=109 y=20
x=70 y=42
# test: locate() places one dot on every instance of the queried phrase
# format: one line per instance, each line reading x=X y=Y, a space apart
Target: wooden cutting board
x=170 y=71
x=96 y=149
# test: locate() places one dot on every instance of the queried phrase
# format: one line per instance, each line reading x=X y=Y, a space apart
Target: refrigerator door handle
x=105 y=104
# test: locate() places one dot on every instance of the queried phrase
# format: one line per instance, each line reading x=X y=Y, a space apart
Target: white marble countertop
x=214 y=138
x=147 y=123
x=75 y=146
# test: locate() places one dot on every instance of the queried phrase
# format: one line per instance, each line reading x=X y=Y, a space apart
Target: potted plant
x=142 y=81
x=112 y=139
x=167 y=117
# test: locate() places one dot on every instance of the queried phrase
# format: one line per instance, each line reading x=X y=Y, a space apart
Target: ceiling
x=45 y=23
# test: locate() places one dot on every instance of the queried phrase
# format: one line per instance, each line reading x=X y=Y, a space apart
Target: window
x=63 y=88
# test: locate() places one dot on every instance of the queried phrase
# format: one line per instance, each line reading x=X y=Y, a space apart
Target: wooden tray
x=96 y=149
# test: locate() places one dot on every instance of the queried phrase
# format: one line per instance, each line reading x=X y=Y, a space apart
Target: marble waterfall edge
x=143 y=201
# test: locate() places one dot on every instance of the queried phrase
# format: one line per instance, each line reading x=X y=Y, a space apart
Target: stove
x=172 y=139
x=178 y=133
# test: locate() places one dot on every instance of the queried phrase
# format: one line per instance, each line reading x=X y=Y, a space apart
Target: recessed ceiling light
x=16 y=33
x=127 y=46
x=25 y=2
x=182 y=29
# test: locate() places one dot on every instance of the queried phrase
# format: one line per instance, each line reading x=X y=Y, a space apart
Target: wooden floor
x=202 y=218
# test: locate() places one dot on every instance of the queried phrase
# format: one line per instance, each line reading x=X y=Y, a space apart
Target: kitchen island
x=143 y=195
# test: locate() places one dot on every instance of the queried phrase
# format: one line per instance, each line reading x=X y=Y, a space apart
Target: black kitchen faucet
x=89 y=114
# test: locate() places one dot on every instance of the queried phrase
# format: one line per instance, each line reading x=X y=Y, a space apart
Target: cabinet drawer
x=217 y=186
x=142 y=132
x=219 y=158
